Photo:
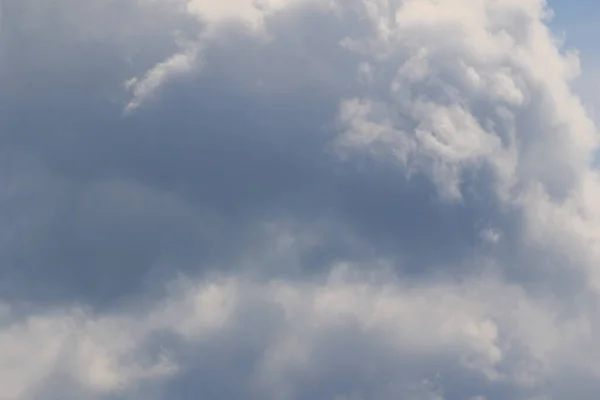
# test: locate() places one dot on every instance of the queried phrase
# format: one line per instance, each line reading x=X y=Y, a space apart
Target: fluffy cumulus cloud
x=295 y=199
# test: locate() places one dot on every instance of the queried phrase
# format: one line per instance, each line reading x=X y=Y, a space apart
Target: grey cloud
x=244 y=139
x=248 y=157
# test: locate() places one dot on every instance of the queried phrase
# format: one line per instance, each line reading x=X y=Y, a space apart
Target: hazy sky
x=298 y=199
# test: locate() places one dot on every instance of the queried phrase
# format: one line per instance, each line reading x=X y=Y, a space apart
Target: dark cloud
x=242 y=140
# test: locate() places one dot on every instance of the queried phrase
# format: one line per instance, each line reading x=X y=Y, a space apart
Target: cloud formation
x=292 y=199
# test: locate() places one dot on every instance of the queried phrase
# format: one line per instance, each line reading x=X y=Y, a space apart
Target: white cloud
x=477 y=82
x=106 y=353
x=177 y=64
x=92 y=352
x=251 y=13
x=474 y=326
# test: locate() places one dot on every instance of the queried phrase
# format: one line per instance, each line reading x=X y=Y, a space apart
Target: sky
x=577 y=20
x=299 y=199
x=576 y=23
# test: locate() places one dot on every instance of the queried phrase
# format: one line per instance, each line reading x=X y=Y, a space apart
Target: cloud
x=141 y=89
x=496 y=77
x=360 y=199
x=397 y=331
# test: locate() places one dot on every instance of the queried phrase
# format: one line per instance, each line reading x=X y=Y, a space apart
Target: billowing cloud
x=353 y=334
x=362 y=199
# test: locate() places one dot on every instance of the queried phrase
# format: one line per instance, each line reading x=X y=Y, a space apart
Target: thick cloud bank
x=295 y=199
